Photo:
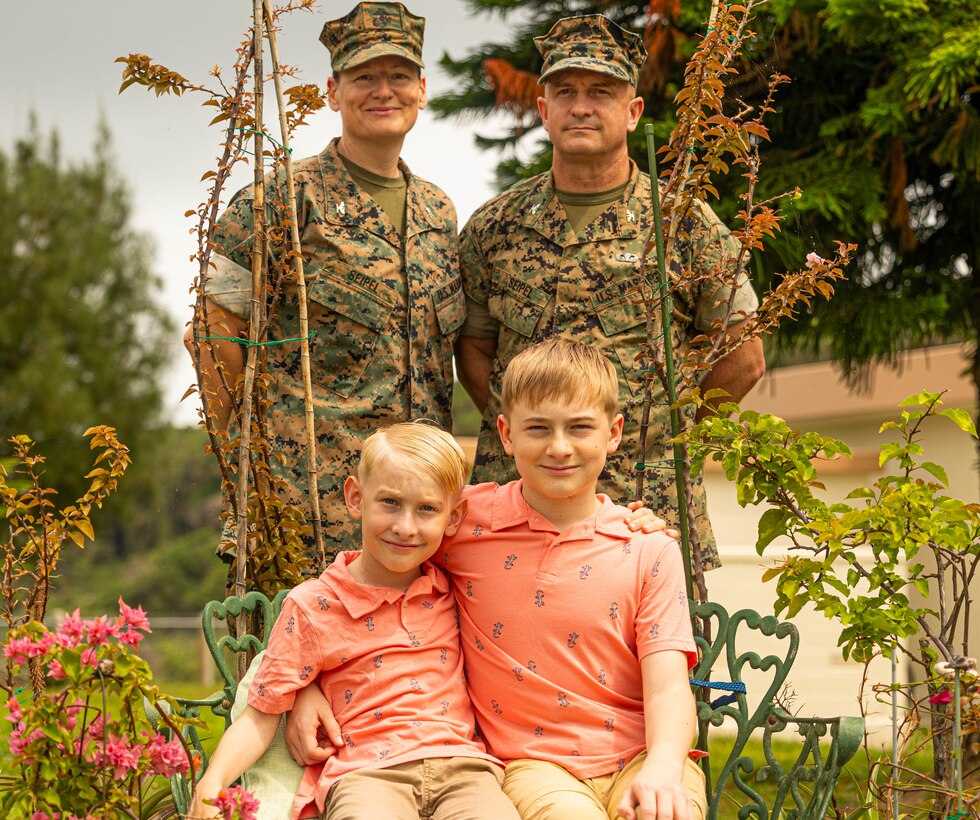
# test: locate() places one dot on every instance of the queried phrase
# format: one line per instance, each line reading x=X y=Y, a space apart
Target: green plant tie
x=269 y=137
x=250 y=343
x=657 y=465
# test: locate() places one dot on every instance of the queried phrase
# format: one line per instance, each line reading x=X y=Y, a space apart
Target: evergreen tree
x=879 y=127
x=82 y=340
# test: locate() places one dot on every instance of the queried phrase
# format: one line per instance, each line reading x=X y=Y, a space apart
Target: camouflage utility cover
x=373 y=30
x=385 y=328
x=521 y=259
x=594 y=43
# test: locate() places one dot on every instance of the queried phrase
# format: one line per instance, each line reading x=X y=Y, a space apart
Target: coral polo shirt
x=553 y=627
x=388 y=662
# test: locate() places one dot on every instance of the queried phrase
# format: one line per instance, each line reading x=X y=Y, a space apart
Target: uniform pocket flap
x=621 y=306
x=355 y=296
x=517 y=304
x=450 y=306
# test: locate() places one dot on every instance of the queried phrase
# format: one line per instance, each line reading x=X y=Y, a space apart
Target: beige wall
x=812 y=397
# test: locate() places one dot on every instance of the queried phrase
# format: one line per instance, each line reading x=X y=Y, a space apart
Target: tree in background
x=879 y=128
x=82 y=339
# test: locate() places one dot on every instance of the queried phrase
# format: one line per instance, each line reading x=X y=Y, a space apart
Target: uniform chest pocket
x=350 y=311
x=450 y=307
x=622 y=315
x=517 y=305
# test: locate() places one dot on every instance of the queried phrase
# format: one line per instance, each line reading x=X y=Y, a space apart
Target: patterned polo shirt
x=388 y=662
x=554 y=625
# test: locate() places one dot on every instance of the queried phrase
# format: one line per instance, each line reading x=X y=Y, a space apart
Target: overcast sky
x=58 y=61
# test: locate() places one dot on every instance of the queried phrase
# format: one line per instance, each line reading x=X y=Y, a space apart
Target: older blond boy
x=378 y=632
x=575 y=630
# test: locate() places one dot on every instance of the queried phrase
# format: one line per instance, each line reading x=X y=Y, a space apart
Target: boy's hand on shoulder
x=656 y=793
x=643 y=519
x=312 y=731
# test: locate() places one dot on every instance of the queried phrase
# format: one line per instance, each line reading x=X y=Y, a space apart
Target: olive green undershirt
x=389 y=192
x=582 y=209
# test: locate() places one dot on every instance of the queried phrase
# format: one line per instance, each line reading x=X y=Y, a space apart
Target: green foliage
x=70 y=750
x=37 y=529
x=858 y=562
x=82 y=341
x=879 y=128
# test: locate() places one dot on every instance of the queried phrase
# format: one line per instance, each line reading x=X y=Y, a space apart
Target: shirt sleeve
x=479 y=324
x=716 y=250
x=663 y=617
x=473 y=264
x=229 y=283
x=293 y=659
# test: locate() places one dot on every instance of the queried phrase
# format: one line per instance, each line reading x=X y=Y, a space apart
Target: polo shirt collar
x=511 y=510
x=360 y=599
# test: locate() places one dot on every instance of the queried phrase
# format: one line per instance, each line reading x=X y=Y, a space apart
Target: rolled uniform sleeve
x=476 y=275
x=229 y=283
x=715 y=250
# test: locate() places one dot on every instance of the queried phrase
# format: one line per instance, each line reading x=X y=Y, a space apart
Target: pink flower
x=13 y=710
x=123 y=757
x=100 y=630
x=96 y=727
x=130 y=638
x=133 y=618
x=167 y=757
x=18 y=650
x=56 y=670
x=43 y=815
x=236 y=798
x=91 y=656
x=71 y=630
x=942 y=696
x=813 y=259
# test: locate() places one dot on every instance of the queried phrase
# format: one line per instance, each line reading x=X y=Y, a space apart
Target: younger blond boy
x=378 y=633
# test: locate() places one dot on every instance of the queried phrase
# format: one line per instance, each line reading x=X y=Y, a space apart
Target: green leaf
x=936 y=470
x=772 y=524
x=961 y=419
x=924 y=398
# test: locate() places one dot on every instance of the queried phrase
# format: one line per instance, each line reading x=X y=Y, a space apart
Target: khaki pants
x=440 y=788
x=544 y=791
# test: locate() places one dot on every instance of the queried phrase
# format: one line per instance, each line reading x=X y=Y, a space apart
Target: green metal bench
x=803 y=792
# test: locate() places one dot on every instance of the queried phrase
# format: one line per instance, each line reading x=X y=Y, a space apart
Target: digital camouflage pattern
x=521 y=259
x=385 y=327
x=594 y=43
x=373 y=30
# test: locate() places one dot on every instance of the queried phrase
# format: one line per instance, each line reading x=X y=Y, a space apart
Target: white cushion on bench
x=275 y=777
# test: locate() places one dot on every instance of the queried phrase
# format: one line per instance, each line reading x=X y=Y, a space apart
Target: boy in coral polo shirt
x=378 y=632
x=575 y=630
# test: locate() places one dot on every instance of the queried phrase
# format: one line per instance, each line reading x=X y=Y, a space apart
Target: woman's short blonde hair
x=417 y=445
x=560 y=369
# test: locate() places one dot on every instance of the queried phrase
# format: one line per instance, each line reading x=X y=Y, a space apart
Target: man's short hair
x=417 y=445
x=560 y=369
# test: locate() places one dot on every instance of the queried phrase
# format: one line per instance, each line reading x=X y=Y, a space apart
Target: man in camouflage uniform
x=560 y=254
x=380 y=256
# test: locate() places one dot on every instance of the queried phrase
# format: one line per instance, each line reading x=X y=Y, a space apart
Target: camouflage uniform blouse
x=385 y=327
x=521 y=259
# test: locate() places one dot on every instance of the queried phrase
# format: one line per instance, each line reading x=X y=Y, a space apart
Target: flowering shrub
x=84 y=744
x=236 y=804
